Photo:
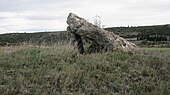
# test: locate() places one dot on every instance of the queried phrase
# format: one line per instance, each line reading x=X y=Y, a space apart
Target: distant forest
x=144 y=36
x=150 y=33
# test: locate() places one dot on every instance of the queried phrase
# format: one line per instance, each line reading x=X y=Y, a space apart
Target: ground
x=59 y=70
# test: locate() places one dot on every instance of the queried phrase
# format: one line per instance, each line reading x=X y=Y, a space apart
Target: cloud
x=47 y=15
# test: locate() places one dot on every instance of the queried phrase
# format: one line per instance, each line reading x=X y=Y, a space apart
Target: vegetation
x=47 y=38
x=143 y=36
x=59 y=70
x=97 y=21
x=161 y=53
x=157 y=49
x=141 y=30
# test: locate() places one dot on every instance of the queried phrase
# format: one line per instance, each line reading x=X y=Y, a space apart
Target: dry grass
x=59 y=70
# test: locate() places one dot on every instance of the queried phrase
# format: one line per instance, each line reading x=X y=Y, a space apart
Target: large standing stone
x=100 y=39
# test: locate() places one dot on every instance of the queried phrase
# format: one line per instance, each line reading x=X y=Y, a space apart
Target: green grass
x=160 y=49
x=59 y=70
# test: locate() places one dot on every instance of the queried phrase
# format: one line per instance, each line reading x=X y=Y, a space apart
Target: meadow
x=161 y=53
x=60 y=70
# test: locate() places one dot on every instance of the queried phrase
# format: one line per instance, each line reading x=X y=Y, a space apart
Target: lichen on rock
x=100 y=39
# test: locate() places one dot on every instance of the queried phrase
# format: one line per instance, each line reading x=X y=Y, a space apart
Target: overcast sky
x=50 y=15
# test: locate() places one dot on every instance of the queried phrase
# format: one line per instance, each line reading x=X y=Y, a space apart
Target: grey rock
x=100 y=40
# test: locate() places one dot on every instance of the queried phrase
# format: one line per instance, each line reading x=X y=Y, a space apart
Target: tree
x=97 y=21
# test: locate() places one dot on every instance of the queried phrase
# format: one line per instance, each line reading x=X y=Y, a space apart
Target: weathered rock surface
x=99 y=39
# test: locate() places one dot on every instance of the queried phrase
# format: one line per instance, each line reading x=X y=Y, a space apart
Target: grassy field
x=59 y=70
x=157 y=49
x=161 y=53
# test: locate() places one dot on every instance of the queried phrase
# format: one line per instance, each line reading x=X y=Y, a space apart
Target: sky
x=17 y=16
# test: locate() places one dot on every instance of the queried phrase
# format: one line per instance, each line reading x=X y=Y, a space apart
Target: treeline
x=158 y=35
x=47 y=38
x=150 y=33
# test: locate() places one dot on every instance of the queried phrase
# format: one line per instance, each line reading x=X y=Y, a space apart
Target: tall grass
x=59 y=70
